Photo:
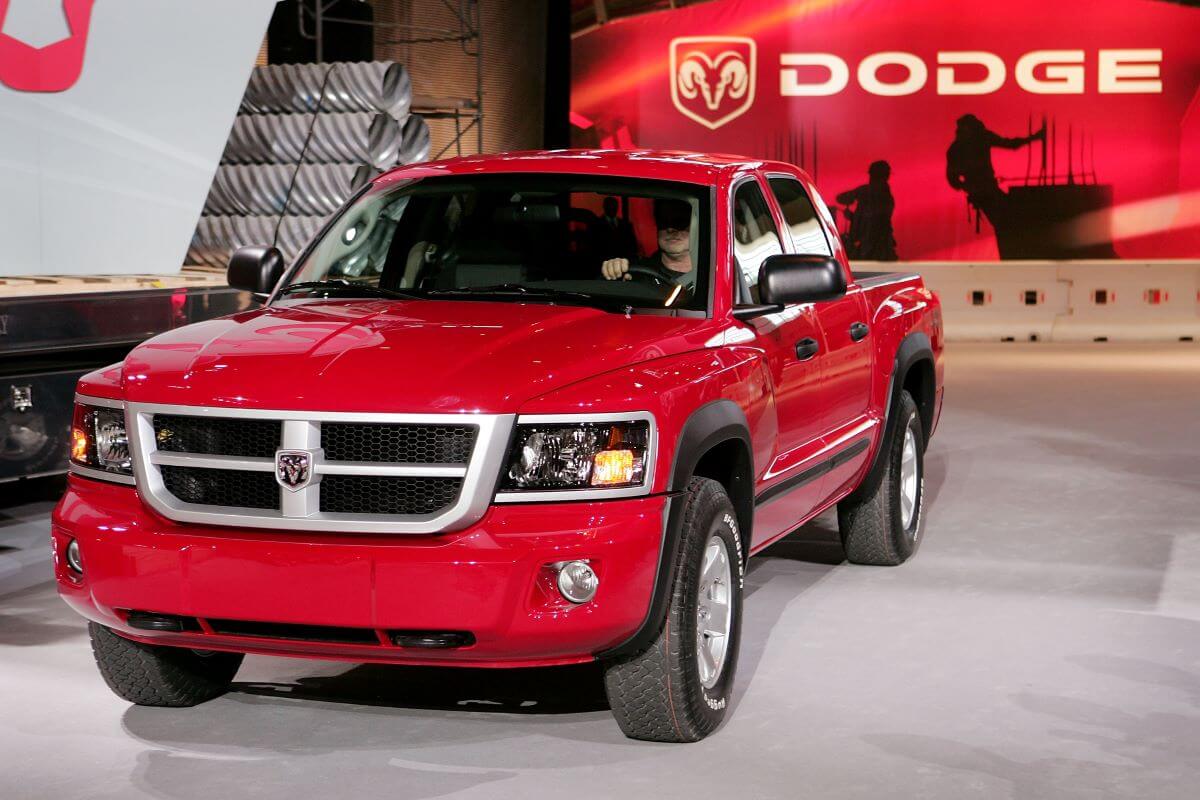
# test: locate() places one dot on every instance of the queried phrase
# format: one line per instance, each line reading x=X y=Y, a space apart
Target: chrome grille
x=418 y=473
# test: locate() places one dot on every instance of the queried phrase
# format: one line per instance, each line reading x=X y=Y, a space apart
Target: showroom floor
x=1044 y=643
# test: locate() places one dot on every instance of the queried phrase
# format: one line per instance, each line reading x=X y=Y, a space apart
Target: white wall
x=110 y=175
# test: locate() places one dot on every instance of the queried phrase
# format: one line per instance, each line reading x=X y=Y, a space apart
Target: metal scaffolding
x=466 y=111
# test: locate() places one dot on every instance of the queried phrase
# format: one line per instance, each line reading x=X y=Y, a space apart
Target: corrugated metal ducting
x=397 y=109
x=364 y=125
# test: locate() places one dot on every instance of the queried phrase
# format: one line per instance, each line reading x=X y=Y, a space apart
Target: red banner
x=943 y=130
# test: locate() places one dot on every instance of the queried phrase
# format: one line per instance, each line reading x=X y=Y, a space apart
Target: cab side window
x=808 y=238
x=755 y=237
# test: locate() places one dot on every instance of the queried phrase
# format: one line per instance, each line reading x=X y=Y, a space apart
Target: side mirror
x=255 y=269
x=789 y=278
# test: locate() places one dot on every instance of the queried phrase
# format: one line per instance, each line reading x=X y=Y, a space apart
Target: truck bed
x=873 y=280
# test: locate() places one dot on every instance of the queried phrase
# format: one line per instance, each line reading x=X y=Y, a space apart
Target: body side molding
x=812 y=473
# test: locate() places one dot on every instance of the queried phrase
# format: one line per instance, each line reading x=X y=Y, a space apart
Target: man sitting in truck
x=672 y=262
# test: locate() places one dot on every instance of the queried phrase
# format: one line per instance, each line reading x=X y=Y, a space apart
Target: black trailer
x=55 y=329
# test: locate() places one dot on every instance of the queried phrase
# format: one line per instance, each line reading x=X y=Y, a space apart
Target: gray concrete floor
x=1044 y=643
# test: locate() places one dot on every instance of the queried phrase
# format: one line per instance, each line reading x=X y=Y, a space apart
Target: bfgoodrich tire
x=882 y=527
x=161 y=676
x=679 y=688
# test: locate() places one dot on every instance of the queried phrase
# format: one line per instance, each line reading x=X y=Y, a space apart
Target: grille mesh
x=222 y=487
x=364 y=494
x=409 y=444
x=217 y=435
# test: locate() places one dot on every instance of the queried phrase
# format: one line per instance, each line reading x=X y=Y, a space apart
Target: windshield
x=614 y=243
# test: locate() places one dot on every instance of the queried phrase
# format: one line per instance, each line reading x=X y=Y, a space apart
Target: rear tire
x=882 y=527
x=678 y=689
x=150 y=675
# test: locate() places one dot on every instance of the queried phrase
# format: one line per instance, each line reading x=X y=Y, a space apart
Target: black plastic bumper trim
x=432 y=640
x=165 y=623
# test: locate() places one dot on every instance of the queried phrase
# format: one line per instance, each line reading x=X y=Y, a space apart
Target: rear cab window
x=803 y=225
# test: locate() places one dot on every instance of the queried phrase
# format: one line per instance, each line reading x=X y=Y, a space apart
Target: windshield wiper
x=343 y=285
x=521 y=290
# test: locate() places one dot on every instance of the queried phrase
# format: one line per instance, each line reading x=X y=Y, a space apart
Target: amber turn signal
x=79 y=445
x=612 y=467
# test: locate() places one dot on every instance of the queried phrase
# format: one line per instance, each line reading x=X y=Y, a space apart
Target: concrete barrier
x=991 y=302
x=1070 y=301
x=1131 y=302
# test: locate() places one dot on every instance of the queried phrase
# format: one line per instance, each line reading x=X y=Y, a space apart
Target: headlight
x=99 y=441
x=578 y=456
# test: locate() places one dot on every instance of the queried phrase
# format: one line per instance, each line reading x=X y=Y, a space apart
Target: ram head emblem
x=293 y=469
x=713 y=77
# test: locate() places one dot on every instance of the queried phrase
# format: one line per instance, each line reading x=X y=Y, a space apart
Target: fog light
x=577 y=581
x=73 y=560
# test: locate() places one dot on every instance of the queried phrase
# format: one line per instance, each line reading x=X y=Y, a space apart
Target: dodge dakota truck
x=527 y=409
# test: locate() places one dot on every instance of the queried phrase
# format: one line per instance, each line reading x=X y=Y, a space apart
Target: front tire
x=149 y=675
x=678 y=689
x=881 y=527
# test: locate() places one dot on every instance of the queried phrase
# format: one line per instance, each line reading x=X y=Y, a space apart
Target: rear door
x=790 y=340
x=846 y=360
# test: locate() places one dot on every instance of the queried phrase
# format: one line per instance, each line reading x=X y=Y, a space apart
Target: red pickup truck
x=515 y=410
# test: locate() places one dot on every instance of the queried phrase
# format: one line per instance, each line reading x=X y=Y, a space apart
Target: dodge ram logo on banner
x=943 y=130
x=713 y=77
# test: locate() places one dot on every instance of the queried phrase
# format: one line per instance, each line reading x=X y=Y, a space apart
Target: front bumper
x=489 y=580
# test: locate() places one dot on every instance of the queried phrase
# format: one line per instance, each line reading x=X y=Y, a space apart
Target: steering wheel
x=647 y=275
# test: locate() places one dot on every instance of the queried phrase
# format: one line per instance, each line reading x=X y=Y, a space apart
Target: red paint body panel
x=656 y=165
x=481 y=579
x=439 y=356
x=387 y=356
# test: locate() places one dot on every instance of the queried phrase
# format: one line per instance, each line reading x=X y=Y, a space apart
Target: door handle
x=859 y=331
x=806 y=349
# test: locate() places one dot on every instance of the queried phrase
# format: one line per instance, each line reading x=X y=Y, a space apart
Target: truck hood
x=433 y=356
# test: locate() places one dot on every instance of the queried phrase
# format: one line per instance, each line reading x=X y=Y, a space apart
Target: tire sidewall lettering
x=731 y=521
x=717 y=702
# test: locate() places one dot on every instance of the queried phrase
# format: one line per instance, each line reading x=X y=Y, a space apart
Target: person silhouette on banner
x=870 y=236
x=969 y=167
